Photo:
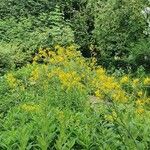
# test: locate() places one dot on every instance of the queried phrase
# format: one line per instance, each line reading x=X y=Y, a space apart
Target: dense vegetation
x=66 y=102
x=74 y=74
x=117 y=32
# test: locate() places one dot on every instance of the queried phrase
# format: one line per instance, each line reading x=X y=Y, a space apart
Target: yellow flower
x=98 y=94
x=100 y=71
x=119 y=96
x=34 y=75
x=140 y=102
x=36 y=58
x=57 y=47
x=140 y=111
x=70 y=79
x=147 y=81
x=30 y=107
x=42 y=53
x=111 y=117
x=12 y=81
x=61 y=51
x=135 y=82
x=140 y=93
x=124 y=80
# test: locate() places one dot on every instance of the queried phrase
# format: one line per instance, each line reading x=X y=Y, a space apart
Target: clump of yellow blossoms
x=135 y=83
x=140 y=93
x=34 y=75
x=12 y=81
x=111 y=117
x=70 y=79
x=107 y=86
x=147 y=81
x=124 y=80
x=140 y=111
x=140 y=102
x=67 y=67
x=30 y=107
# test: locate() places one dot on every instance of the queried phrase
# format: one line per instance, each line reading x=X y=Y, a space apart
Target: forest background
x=115 y=32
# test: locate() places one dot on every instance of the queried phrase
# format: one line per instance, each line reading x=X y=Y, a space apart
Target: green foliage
x=12 y=56
x=110 y=29
x=17 y=8
x=118 y=24
x=140 y=54
x=53 y=106
x=20 y=38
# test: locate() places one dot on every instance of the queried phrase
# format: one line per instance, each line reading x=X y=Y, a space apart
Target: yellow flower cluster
x=124 y=80
x=147 y=81
x=34 y=75
x=106 y=86
x=30 y=107
x=140 y=102
x=140 y=111
x=135 y=83
x=68 y=67
x=70 y=79
x=61 y=58
x=111 y=117
x=67 y=61
x=12 y=81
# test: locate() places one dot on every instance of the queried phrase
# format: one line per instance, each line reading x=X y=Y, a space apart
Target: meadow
x=63 y=101
x=74 y=74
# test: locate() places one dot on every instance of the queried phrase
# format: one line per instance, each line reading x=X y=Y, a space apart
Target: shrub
x=118 y=24
x=20 y=38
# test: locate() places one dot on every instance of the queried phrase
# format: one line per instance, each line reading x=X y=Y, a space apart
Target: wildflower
x=140 y=102
x=100 y=71
x=135 y=82
x=119 y=96
x=12 y=81
x=147 y=81
x=59 y=59
x=60 y=51
x=70 y=79
x=140 y=111
x=30 y=107
x=111 y=117
x=42 y=53
x=57 y=47
x=140 y=93
x=124 y=80
x=98 y=94
x=36 y=58
x=34 y=75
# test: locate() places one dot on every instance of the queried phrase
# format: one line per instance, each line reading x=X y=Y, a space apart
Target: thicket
x=68 y=103
x=51 y=97
x=116 y=32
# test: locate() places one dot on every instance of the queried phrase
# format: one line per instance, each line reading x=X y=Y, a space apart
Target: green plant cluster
x=52 y=106
x=117 y=32
x=21 y=36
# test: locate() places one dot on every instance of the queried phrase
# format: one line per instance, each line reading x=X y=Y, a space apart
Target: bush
x=118 y=24
x=20 y=38
x=12 y=57
x=139 y=55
